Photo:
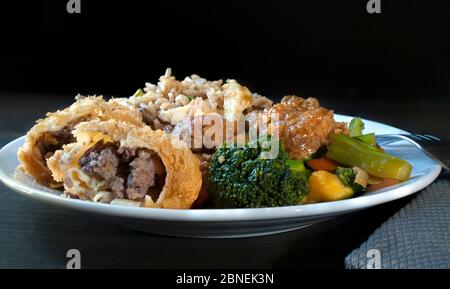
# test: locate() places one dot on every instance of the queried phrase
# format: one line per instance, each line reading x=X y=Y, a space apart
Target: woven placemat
x=416 y=237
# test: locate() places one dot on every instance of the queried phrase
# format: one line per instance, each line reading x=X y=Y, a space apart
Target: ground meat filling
x=141 y=177
x=52 y=141
x=100 y=162
x=131 y=173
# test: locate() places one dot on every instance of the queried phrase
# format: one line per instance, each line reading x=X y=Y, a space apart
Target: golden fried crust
x=87 y=108
x=183 y=176
x=304 y=126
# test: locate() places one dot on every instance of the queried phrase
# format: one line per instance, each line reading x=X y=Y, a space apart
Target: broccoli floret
x=348 y=177
x=239 y=178
x=355 y=127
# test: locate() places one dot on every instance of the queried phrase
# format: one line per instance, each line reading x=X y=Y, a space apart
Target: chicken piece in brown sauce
x=303 y=125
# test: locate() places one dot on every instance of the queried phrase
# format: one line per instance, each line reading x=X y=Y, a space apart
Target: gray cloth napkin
x=417 y=236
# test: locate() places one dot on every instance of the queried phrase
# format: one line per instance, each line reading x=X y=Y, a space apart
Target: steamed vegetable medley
x=350 y=164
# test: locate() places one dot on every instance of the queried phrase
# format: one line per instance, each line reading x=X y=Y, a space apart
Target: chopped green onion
x=138 y=93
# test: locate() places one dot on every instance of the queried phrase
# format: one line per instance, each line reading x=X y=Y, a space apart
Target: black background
x=327 y=49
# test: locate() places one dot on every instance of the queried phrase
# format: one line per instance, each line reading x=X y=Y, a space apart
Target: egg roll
x=55 y=130
x=116 y=162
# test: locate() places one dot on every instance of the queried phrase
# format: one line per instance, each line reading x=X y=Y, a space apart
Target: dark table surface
x=37 y=235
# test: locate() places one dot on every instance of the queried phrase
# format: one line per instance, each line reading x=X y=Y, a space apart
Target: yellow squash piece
x=325 y=186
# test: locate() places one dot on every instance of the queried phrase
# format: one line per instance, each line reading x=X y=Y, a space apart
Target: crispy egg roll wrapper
x=183 y=177
x=44 y=132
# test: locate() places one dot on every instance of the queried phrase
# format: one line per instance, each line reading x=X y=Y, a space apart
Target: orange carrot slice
x=322 y=164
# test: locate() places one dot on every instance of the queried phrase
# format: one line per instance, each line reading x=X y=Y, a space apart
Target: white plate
x=214 y=223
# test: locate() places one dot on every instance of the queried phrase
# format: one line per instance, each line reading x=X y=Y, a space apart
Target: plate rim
x=225 y=215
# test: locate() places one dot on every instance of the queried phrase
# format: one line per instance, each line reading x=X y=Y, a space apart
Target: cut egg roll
x=119 y=163
x=51 y=133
